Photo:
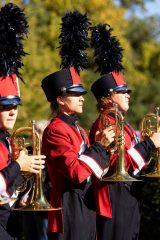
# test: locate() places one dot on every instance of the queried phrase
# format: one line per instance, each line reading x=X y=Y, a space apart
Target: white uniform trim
x=4 y=195
x=91 y=163
x=137 y=157
x=136 y=172
x=3 y=189
x=3 y=185
x=13 y=198
x=105 y=171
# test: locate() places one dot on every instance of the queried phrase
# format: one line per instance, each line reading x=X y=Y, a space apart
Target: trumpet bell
x=37 y=206
x=121 y=174
x=37 y=201
x=120 y=177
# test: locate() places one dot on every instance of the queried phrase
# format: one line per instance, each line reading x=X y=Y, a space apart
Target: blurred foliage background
x=139 y=36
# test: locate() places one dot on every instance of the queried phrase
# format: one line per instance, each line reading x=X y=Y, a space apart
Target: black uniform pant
x=125 y=221
x=4 y=234
x=7 y=226
x=79 y=218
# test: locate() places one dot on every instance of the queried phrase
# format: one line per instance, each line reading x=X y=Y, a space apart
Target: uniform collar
x=71 y=120
x=4 y=134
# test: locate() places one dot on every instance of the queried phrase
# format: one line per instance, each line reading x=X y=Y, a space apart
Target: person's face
x=122 y=99
x=8 y=116
x=71 y=103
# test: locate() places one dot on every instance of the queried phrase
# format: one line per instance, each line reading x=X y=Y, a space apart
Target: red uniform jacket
x=10 y=179
x=68 y=157
x=137 y=156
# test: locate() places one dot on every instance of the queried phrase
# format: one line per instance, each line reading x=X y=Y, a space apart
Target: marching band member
x=117 y=203
x=10 y=62
x=70 y=158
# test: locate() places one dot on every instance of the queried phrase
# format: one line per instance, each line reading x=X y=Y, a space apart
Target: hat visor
x=122 y=88
x=76 y=88
x=14 y=101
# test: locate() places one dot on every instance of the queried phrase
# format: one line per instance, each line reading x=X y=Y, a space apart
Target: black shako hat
x=61 y=82
x=108 y=83
x=108 y=57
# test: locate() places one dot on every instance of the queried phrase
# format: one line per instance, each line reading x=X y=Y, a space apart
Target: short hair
x=54 y=106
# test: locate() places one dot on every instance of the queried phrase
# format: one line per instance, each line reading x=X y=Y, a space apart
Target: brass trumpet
x=121 y=174
x=150 y=124
x=24 y=138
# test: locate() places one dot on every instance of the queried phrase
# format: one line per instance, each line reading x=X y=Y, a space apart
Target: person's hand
x=105 y=137
x=32 y=163
x=156 y=139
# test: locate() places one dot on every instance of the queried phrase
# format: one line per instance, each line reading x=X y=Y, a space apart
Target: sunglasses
x=8 y=107
x=124 y=91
